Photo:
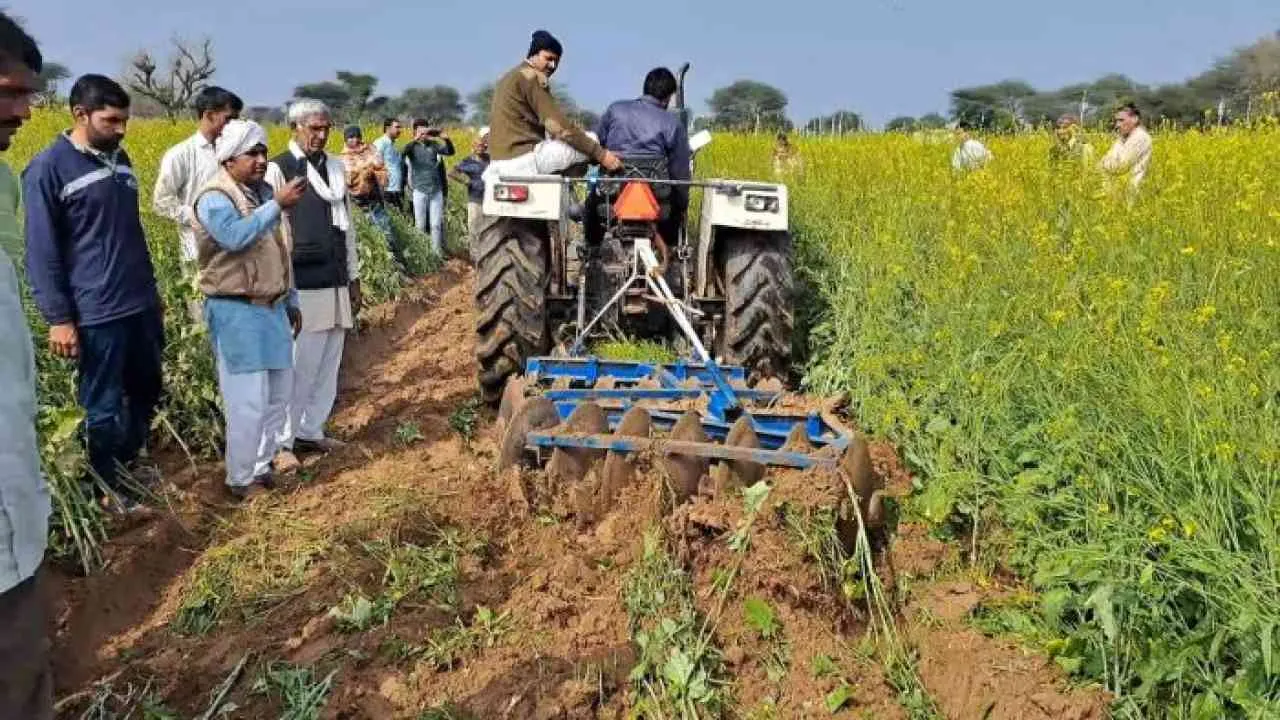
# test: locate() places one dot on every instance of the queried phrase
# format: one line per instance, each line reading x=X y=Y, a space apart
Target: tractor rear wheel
x=759 y=320
x=511 y=292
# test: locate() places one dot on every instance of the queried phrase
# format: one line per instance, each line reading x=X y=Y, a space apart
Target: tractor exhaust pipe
x=681 y=109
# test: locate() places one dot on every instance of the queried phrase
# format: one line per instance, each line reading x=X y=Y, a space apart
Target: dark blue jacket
x=473 y=166
x=87 y=259
x=645 y=127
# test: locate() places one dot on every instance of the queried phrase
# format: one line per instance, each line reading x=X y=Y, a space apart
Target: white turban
x=484 y=132
x=238 y=138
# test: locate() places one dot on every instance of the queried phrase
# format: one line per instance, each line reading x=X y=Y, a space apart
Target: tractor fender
x=724 y=214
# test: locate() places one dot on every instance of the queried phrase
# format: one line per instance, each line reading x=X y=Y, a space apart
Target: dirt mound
x=404 y=574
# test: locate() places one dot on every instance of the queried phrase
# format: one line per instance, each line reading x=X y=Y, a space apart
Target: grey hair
x=302 y=109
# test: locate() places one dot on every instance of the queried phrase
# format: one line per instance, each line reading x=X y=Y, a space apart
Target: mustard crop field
x=1084 y=383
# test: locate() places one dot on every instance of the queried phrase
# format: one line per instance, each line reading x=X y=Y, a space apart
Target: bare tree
x=188 y=71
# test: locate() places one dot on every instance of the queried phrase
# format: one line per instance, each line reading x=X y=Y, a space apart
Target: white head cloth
x=238 y=138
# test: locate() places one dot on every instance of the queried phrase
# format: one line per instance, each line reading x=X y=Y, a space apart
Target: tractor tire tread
x=759 y=319
x=510 y=297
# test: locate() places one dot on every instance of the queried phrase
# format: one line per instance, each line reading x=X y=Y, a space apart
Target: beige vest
x=263 y=271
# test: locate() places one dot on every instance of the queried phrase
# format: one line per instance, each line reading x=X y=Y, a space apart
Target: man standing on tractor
x=644 y=127
x=528 y=133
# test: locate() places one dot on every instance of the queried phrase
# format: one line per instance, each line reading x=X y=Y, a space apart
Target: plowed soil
x=538 y=589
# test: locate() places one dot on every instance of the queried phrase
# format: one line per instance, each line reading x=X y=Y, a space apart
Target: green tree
x=902 y=123
x=749 y=105
x=265 y=114
x=336 y=95
x=351 y=97
x=51 y=77
x=439 y=105
x=999 y=106
x=1259 y=65
x=931 y=121
x=584 y=118
x=841 y=121
x=361 y=101
x=1177 y=103
x=480 y=102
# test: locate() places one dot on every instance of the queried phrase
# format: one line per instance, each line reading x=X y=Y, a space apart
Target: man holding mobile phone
x=251 y=308
x=423 y=155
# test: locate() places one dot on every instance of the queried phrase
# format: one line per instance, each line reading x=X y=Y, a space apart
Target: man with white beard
x=322 y=234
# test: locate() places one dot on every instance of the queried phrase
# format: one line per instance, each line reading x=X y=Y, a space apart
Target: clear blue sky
x=879 y=57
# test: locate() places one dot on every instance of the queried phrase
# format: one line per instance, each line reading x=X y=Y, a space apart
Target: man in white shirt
x=1131 y=153
x=190 y=165
x=971 y=154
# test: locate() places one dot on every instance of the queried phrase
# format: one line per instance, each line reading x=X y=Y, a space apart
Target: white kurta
x=1132 y=155
x=184 y=171
x=326 y=308
x=326 y=316
x=257 y=414
x=547 y=158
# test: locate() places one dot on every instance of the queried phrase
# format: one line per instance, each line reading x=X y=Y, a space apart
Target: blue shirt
x=249 y=338
x=645 y=127
x=473 y=166
x=87 y=259
x=24 y=496
x=394 y=161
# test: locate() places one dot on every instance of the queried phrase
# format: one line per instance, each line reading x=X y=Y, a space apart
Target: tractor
x=717 y=418
x=555 y=256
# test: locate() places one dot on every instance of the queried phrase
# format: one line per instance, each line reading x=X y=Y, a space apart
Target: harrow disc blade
x=739 y=473
x=570 y=465
x=798 y=440
x=686 y=471
x=537 y=414
x=619 y=468
x=512 y=400
x=771 y=384
x=856 y=464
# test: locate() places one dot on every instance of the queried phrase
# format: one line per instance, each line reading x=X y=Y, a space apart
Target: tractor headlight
x=761 y=203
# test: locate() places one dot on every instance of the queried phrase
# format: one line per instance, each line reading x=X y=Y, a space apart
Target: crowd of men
x=268 y=241
x=1129 y=156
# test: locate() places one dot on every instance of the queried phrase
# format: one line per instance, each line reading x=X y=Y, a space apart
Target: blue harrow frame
x=721 y=397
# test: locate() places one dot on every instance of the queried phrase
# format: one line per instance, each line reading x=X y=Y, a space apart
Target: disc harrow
x=699 y=421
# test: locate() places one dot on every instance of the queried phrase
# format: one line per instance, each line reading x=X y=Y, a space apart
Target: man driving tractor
x=644 y=130
x=528 y=133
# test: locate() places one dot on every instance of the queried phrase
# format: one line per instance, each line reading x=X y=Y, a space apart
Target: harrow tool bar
x=657 y=386
x=781 y=458
x=741 y=428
